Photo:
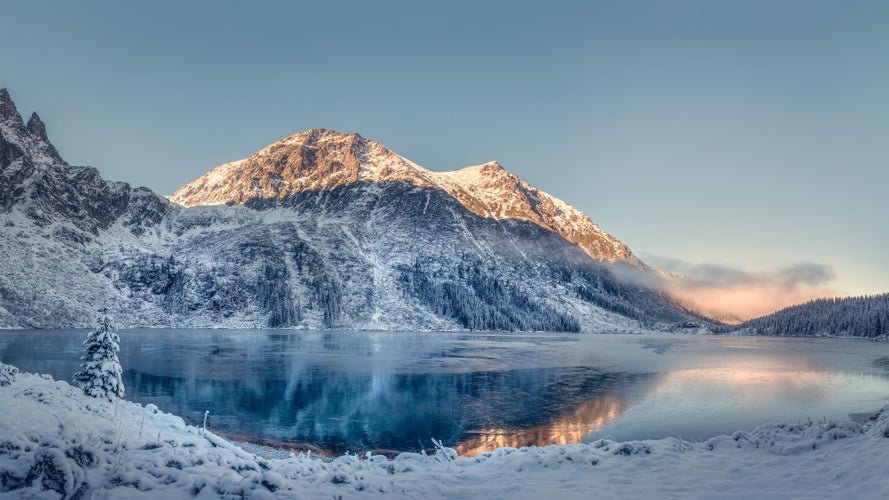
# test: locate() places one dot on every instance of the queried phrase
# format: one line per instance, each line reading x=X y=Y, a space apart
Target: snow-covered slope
x=321 y=159
x=57 y=443
x=355 y=241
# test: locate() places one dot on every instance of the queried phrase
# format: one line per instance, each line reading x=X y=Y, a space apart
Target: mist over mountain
x=319 y=230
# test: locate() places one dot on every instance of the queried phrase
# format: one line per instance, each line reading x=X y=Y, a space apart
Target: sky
x=737 y=142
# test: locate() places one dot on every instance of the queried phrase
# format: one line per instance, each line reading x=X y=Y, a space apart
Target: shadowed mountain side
x=483 y=273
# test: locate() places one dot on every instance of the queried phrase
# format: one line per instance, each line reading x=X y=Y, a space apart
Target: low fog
x=732 y=294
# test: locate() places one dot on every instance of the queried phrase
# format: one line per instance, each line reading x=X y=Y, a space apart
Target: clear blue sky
x=749 y=133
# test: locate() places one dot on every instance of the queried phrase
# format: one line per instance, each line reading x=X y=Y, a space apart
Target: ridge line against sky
x=749 y=134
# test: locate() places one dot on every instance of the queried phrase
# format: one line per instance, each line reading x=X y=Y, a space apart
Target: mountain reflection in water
x=568 y=429
x=340 y=412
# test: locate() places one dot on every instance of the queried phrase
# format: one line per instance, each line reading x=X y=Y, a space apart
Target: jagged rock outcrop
x=34 y=177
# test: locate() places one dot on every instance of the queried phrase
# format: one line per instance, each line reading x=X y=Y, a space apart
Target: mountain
x=319 y=159
x=38 y=184
x=320 y=230
x=53 y=216
x=866 y=316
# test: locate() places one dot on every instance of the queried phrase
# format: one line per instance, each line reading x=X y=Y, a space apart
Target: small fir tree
x=101 y=374
x=7 y=374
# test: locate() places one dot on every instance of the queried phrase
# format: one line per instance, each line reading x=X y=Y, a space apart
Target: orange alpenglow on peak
x=320 y=159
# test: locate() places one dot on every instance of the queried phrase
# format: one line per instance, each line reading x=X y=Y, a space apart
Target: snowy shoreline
x=55 y=442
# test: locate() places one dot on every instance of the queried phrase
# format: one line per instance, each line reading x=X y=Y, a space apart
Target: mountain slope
x=321 y=159
x=382 y=250
x=866 y=316
x=51 y=215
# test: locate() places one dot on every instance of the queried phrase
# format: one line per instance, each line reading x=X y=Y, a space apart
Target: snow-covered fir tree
x=101 y=374
x=7 y=374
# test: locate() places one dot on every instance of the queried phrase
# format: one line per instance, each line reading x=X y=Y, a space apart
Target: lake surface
x=351 y=391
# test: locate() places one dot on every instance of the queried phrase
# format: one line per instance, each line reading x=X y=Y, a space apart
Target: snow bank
x=57 y=443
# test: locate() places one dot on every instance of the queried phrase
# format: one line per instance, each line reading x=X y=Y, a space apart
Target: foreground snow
x=55 y=442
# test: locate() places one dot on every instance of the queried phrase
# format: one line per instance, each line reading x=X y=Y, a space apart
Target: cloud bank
x=733 y=294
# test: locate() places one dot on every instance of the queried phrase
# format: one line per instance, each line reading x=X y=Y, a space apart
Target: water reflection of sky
x=356 y=391
x=702 y=402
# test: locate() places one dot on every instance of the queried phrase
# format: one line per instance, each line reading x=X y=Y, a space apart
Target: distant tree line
x=863 y=316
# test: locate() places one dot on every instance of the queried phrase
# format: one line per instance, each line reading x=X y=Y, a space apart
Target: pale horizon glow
x=732 y=303
x=746 y=133
x=733 y=294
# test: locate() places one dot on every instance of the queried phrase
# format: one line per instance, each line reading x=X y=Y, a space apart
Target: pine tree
x=101 y=374
x=7 y=374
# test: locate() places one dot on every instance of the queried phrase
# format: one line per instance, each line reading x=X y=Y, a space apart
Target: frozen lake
x=354 y=391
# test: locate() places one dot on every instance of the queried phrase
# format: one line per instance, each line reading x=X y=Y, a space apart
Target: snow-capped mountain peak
x=314 y=160
x=320 y=159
